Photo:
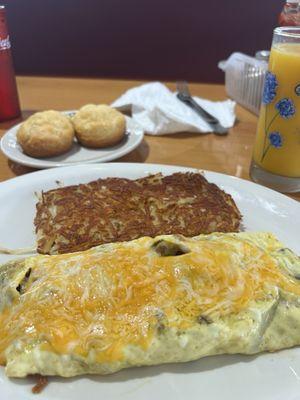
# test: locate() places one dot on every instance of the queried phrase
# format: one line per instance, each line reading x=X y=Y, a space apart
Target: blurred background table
x=229 y=154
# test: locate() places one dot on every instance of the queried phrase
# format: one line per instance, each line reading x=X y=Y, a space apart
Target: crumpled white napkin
x=158 y=111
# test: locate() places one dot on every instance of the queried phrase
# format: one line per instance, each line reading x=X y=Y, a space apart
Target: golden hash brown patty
x=107 y=210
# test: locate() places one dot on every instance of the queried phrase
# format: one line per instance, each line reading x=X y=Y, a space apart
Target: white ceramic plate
x=78 y=154
x=264 y=377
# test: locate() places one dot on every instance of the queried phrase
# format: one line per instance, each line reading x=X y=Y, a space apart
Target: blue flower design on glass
x=286 y=108
x=275 y=139
x=270 y=88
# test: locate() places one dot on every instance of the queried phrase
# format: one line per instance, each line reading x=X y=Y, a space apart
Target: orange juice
x=277 y=144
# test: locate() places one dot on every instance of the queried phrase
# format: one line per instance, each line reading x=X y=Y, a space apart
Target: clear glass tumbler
x=276 y=155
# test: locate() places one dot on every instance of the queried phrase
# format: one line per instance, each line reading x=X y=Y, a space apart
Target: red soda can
x=9 y=101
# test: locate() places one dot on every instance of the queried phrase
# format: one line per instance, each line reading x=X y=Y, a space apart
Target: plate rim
x=55 y=173
x=45 y=164
x=49 y=171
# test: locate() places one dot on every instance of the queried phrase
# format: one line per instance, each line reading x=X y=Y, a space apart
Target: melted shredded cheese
x=101 y=300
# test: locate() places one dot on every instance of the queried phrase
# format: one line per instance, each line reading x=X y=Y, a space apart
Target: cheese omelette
x=148 y=301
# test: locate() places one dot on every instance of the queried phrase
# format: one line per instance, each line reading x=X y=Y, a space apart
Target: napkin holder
x=244 y=78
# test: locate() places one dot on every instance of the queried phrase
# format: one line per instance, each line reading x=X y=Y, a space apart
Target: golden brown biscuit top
x=47 y=122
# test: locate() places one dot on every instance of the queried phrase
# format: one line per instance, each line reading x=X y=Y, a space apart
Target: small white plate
x=78 y=154
x=273 y=376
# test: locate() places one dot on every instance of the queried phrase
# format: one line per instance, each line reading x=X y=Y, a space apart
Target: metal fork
x=185 y=96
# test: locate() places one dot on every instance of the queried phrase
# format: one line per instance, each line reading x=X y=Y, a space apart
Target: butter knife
x=185 y=96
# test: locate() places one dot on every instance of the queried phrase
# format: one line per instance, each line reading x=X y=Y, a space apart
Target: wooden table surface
x=230 y=154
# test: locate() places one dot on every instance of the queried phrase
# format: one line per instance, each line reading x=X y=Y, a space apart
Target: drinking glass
x=276 y=155
x=9 y=101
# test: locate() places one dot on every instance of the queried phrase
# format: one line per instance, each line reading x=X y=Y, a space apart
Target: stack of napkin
x=158 y=111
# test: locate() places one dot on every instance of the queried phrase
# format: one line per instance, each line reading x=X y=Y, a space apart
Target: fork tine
x=182 y=87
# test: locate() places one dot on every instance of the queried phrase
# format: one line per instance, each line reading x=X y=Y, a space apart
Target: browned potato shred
x=75 y=218
x=42 y=382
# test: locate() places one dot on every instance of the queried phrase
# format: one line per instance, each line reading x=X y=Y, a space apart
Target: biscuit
x=99 y=125
x=46 y=134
